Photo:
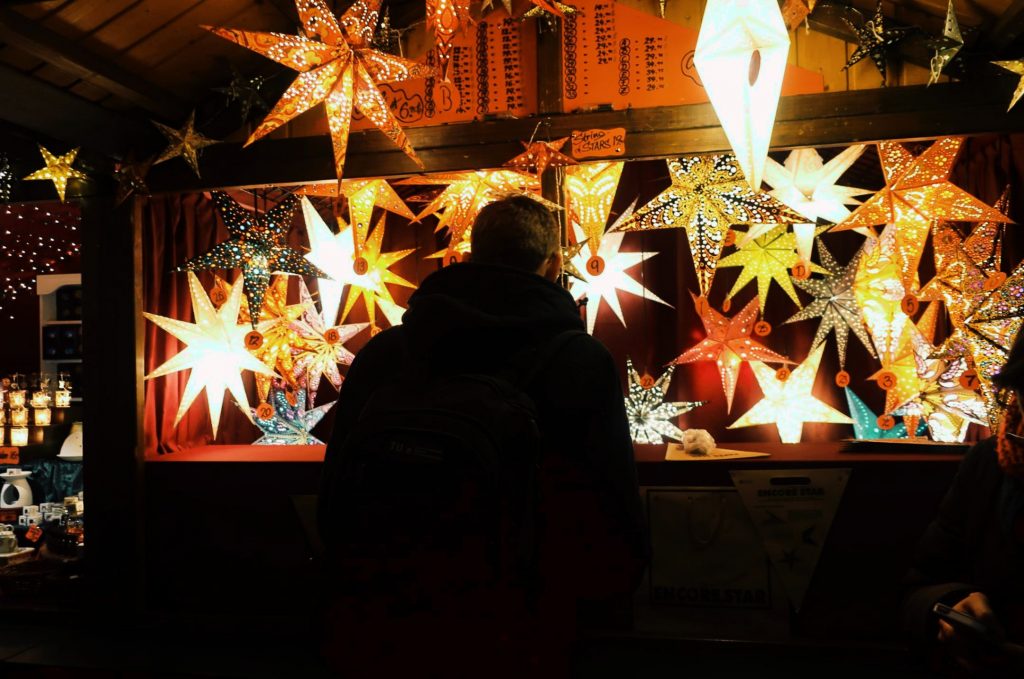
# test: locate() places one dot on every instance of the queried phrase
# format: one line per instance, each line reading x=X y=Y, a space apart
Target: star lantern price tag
x=887 y=380
x=842 y=379
x=886 y=422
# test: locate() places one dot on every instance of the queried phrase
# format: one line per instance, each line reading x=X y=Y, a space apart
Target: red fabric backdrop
x=178 y=227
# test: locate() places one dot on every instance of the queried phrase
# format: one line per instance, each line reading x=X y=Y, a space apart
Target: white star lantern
x=215 y=352
x=650 y=415
x=606 y=280
x=741 y=58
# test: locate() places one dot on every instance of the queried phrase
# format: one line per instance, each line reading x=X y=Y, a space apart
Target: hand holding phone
x=971 y=629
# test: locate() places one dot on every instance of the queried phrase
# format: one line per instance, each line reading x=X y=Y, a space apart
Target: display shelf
x=47 y=288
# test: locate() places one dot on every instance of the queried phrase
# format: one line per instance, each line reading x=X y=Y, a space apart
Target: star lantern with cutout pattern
x=789 y=403
x=865 y=421
x=286 y=421
x=874 y=39
x=445 y=19
x=59 y=169
x=185 y=142
x=945 y=47
x=1015 y=66
x=320 y=348
x=363 y=195
x=589 y=192
x=540 y=155
x=879 y=292
x=650 y=415
x=214 y=352
x=728 y=343
x=708 y=195
x=338 y=67
x=256 y=246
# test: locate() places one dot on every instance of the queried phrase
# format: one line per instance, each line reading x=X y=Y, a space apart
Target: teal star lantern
x=256 y=246
x=865 y=421
x=290 y=423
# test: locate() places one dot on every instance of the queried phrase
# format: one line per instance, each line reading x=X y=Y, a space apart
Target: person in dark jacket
x=971 y=556
x=470 y=317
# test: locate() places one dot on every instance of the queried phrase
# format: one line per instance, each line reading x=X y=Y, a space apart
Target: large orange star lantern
x=445 y=18
x=918 y=192
x=728 y=343
x=540 y=155
x=337 y=67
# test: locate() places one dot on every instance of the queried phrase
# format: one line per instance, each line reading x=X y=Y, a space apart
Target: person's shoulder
x=387 y=342
x=584 y=349
x=981 y=459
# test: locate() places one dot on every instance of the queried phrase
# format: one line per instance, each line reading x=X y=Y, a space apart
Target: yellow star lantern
x=741 y=58
x=899 y=376
x=879 y=292
x=58 y=170
x=466 y=193
x=540 y=155
x=321 y=349
x=362 y=196
x=338 y=68
x=917 y=192
x=445 y=18
x=1015 y=66
x=807 y=184
x=729 y=344
x=185 y=142
x=335 y=254
x=769 y=258
x=215 y=352
x=789 y=403
x=605 y=282
x=589 y=192
x=944 y=404
x=707 y=196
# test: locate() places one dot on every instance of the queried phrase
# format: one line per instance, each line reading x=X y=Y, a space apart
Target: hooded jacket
x=474 y=318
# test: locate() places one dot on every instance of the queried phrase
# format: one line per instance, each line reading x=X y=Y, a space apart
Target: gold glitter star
x=58 y=170
x=185 y=142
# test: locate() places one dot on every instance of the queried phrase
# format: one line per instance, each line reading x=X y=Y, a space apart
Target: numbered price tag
x=332 y=336
x=782 y=374
x=801 y=271
x=595 y=266
x=842 y=379
x=969 y=380
x=910 y=305
x=727 y=304
x=360 y=266
x=264 y=411
x=887 y=380
x=762 y=328
x=646 y=381
x=253 y=340
x=218 y=296
x=886 y=422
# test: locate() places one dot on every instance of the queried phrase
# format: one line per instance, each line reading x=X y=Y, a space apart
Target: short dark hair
x=1011 y=376
x=517 y=231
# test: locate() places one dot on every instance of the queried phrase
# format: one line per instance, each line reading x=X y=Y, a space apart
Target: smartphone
x=968 y=626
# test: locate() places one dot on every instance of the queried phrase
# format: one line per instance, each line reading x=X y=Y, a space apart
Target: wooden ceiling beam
x=57 y=114
x=829 y=119
x=57 y=50
x=1008 y=27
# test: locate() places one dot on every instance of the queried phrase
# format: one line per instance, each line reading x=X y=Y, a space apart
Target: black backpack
x=435 y=496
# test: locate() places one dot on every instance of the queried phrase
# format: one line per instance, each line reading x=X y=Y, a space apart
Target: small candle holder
x=19 y=436
x=19 y=417
x=41 y=417
x=62 y=398
x=16 y=398
x=41 y=399
x=3 y=415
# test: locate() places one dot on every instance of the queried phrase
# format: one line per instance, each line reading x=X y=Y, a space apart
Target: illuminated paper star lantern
x=944 y=404
x=741 y=58
x=788 y=404
x=58 y=170
x=768 y=258
x=835 y=303
x=337 y=66
x=465 y=195
x=900 y=375
x=215 y=352
x=540 y=155
x=256 y=246
x=362 y=196
x=1015 y=66
x=185 y=142
x=879 y=292
x=320 y=349
x=274 y=337
x=445 y=19
x=807 y=184
x=984 y=244
x=335 y=254
x=874 y=39
x=606 y=281
x=865 y=421
x=286 y=423
x=946 y=47
x=650 y=415
x=570 y=253
x=918 y=192
x=589 y=192
x=707 y=196
x=729 y=344
x=959 y=283
x=131 y=179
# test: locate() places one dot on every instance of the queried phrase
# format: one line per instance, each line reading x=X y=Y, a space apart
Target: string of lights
x=35 y=239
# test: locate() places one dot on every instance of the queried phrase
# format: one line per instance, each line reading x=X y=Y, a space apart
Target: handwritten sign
x=598 y=143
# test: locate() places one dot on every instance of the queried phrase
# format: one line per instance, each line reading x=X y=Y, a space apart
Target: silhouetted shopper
x=971 y=556
x=479 y=484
